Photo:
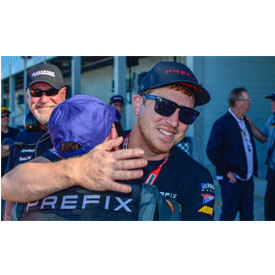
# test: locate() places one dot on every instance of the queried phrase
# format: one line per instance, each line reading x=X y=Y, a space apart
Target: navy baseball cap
x=272 y=97
x=116 y=98
x=46 y=73
x=83 y=119
x=165 y=73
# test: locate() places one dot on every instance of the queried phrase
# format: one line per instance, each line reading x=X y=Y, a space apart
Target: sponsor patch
x=207 y=210
x=207 y=198
x=27 y=150
x=208 y=187
x=25 y=158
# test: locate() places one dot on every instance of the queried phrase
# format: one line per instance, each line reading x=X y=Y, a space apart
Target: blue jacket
x=225 y=147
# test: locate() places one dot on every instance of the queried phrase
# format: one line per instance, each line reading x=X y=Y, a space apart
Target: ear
x=63 y=92
x=113 y=134
x=27 y=96
x=137 y=103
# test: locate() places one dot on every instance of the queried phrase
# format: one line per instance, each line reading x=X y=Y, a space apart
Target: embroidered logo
x=207 y=198
x=43 y=72
x=208 y=187
x=207 y=210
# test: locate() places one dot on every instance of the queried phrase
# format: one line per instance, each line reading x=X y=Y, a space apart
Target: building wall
x=219 y=76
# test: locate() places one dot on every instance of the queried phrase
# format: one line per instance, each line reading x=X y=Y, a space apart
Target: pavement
x=259 y=192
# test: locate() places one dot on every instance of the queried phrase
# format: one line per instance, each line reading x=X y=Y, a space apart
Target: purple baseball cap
x=83 y=119
x=165 y=73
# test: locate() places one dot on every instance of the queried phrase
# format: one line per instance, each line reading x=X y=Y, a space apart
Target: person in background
x=268 y=134
x=231 y=148
x=118 y=102
x=8 y=134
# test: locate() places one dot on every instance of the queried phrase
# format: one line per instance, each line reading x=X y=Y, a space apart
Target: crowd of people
x=77 y=163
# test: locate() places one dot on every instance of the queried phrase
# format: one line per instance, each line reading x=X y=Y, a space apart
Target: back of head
x=81 y=119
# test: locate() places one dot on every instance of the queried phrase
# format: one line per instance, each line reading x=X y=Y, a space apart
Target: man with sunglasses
x=164 y=109
x=8 y=134
x=231 y=148
x=45 y=90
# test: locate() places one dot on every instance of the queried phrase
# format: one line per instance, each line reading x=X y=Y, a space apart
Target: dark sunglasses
x=5 y=115
x=165 y=107
x=39 y=93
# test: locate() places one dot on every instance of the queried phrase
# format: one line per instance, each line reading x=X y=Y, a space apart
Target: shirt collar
x=238 y=120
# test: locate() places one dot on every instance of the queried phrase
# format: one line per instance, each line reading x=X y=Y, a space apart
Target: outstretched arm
x=256 y=132
x=96 y=170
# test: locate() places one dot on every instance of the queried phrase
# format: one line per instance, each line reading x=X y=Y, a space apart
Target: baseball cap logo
x=43 y=72
x=181 y=72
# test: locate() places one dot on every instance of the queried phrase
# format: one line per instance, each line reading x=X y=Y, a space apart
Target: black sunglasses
x=165 y=107
x=5 y=115
x=39 y=93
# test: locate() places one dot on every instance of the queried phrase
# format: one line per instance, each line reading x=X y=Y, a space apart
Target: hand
x=248 y=119
x=232 y=178
x=98 y=169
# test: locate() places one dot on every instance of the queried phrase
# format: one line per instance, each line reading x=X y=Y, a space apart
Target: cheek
x=58 y=99
x=32 y=101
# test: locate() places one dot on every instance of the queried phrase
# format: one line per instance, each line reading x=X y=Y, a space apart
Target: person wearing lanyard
x=268 y=134
x=164 y=109
x=231 y=148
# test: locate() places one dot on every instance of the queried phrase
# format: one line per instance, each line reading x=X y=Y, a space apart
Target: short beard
x=149 y=142
x=40 y=119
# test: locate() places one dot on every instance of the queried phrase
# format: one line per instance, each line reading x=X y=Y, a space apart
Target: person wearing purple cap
x=268 y=134
x=45 y=90
x=76 y=126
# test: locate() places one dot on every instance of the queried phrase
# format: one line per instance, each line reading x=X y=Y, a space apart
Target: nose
x=44 y=98
x=173 y=120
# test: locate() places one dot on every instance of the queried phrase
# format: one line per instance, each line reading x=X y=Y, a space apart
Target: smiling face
x=42 y=107
x=154 y=133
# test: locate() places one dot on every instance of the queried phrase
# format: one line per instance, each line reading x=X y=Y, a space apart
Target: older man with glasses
x=231 y=148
